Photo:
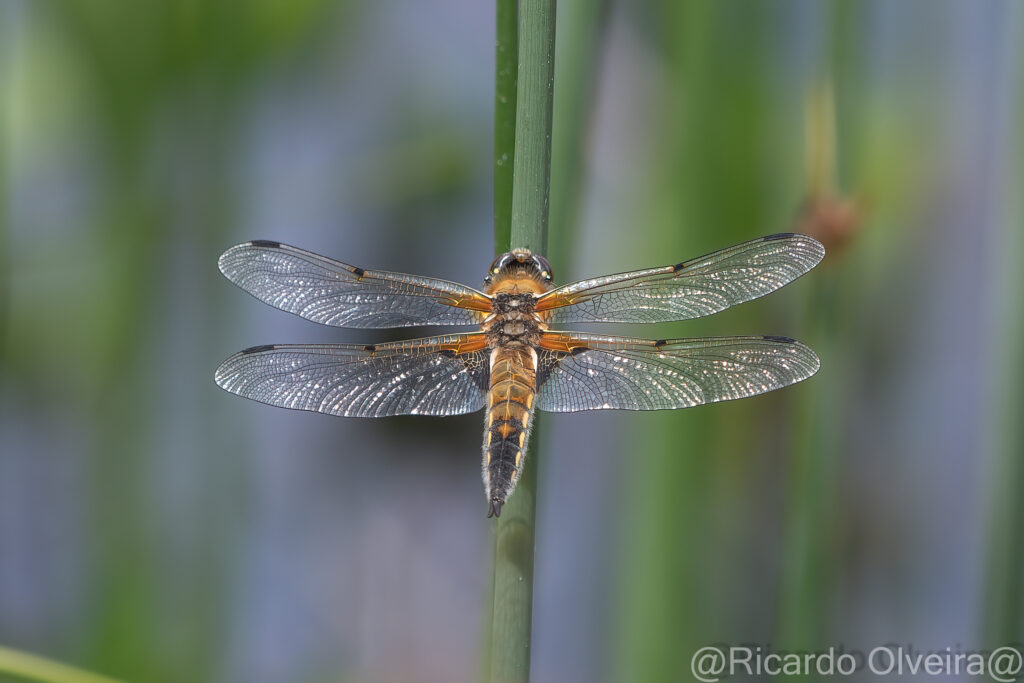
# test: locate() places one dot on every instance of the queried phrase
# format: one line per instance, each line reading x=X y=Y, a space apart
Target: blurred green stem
x=815 y=433
x=10 y=69
x=33 y=668
x=512 y=606
x=577 y=54
x=1004 y=585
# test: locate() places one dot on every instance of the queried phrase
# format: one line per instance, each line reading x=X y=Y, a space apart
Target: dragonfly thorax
x=514 y=322
x=514 y=303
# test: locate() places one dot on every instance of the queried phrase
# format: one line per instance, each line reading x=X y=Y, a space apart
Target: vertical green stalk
x=534 y=101
x=506 y=56
x=808 y=544
x=1004 y=585
x=512 y=605
x=808 y=564
x=10 y=52
x=705 y=187
x=582 y=25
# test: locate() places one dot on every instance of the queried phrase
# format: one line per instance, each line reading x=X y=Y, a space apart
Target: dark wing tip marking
x=776 y=338
x=265 y=243
x=257 y=349
x=778 y=236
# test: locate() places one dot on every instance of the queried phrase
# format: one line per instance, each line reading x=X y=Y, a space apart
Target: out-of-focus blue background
x=155 y=528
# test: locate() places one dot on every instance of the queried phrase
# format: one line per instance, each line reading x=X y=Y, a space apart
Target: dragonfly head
x=520 y=261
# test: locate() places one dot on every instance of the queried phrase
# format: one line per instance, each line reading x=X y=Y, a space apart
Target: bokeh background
x=155 y=528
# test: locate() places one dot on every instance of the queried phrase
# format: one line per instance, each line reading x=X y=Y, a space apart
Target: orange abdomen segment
x=507 y=422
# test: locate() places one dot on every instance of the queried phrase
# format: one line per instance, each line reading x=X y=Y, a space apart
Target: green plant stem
x=533 y=125
x=512 y=605
x=506 y=56
x=10 y=70
x=1004 y=580
x=34 y=668
x=815 y=434
x=577 y=55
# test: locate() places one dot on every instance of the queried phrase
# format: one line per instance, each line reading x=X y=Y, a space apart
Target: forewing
x=432 y=376
x=686 y=290
x=594 y=372
x=334 y=293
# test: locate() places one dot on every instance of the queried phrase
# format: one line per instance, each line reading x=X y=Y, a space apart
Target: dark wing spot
x=370 y=347
x=359 y=272
x=577 y=350
x=784 y=340
x=660 y=342
x=271 y=244
x=258 y=349
x=778 y=236
x=679 y=265
x=447 y=353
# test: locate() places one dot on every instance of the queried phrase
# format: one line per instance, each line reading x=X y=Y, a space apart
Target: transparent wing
x=433 y=376
x=690 y=289
x=334 y=293
x=595 y=372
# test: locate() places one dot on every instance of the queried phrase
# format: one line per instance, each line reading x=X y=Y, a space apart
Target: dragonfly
x=514 y=364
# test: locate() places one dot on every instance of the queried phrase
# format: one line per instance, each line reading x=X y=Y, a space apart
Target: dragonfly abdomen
x=508 y=420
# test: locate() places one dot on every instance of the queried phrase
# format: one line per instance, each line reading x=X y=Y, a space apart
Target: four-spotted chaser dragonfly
x=514 y=363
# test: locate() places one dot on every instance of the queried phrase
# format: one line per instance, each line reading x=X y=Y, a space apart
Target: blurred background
x=156 y=528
